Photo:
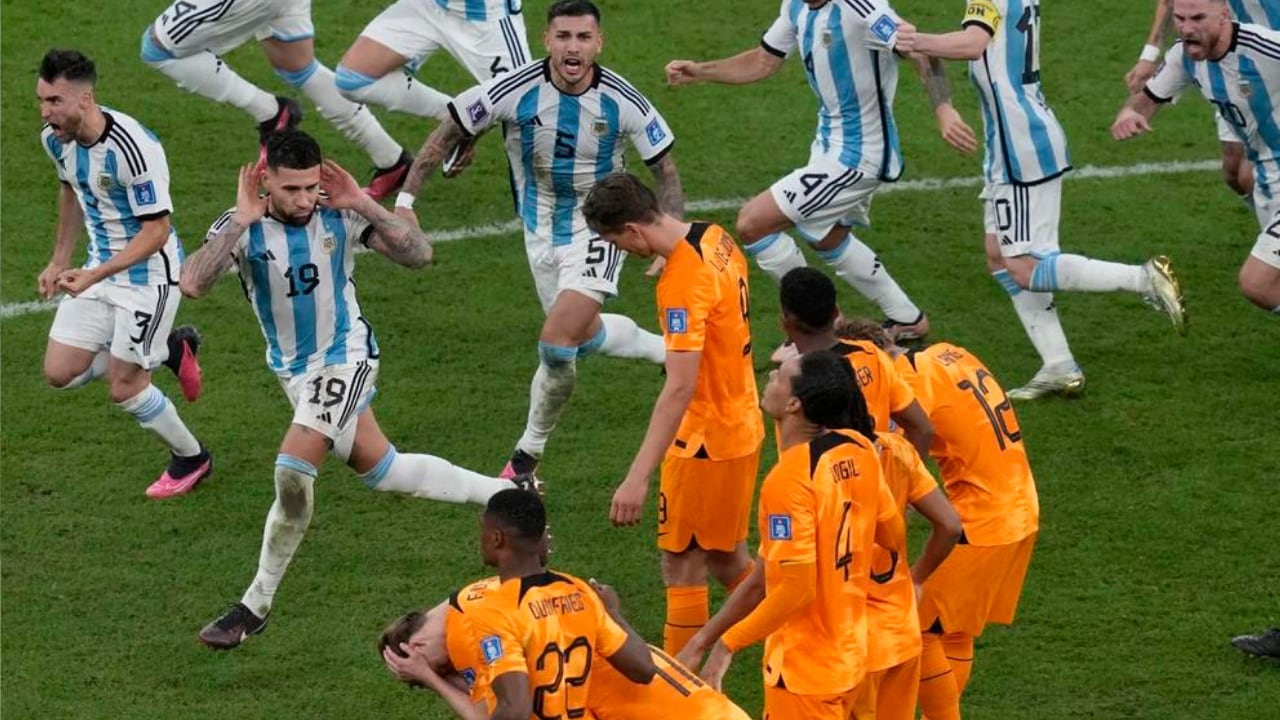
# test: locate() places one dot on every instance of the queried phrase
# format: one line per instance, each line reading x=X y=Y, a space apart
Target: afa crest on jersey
x=600 y=127
x=491 y=649
x=328 y=244
x=105 y=181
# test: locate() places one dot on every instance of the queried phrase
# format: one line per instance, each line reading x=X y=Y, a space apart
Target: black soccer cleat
x=288 y=114
x=228 y=631
x=1265 y=644
x=529 y=483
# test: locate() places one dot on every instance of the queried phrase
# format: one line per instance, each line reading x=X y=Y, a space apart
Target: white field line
x=1088 y=172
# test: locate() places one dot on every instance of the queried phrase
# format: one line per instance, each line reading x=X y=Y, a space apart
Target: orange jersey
x=893 y=626
x=675 y=691
x=883 y=387
x=820 y=505
x=703 y=301
x=552 y=627
x=978 y=446
x=461 y=642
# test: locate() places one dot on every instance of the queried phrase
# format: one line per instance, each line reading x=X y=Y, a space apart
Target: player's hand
x=681 y=72
x=413 y=669
x=459 y=158
x=691 y=654
x=906 y=41
x=628 y=502
x=250 y=206
x=955 y=131
x=47 y=282
x=1129 y=124
x=713 y=671
x=608 y=596
x=342 y=190
x=655 y=267
x=76 y=281
x=1138 y=76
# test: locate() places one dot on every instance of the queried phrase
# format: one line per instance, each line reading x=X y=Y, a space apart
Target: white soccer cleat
x=1069 y=384
x=1164 y=292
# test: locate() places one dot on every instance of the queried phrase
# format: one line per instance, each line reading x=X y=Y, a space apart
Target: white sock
x=1040 y=319
x=96 y=369
x=776 y=254
x=1077 y=272
x=432 y=478
x=548 y=393
x=397 y=91
x=625 y=339
x=286 y=525
x=154 y=412
x=857 y=264
x=352 y=119
x=205 y=74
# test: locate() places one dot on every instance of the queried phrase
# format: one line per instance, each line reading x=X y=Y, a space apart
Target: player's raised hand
x=1138 y=76
x=628 y=502
x=955 y=131
x=47 y=281
x=607 y=594
x=717 y=664
x=906 y=41
x=250 y=205
x=341 y=191
x=682 y=72
x=1129 y=124
x=410 y=668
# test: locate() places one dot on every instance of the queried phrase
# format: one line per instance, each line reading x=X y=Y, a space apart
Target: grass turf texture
x=1155 y=488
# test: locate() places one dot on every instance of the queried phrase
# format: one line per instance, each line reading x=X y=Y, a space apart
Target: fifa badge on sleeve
x=884 y=28
x=655 y=132
x=144 y=193
x=476 y=112
x=779 y=527
x=491 y=648
x=677 y=321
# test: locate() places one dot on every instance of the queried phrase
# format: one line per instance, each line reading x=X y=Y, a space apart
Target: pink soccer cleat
x=388 y=180
x=182 y=475
x=184 y=345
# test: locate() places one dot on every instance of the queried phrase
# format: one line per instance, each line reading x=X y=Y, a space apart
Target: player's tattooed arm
x=447 y=136
x=954 y=130
x=668 y=188
x=202 y=269
x=401 y=240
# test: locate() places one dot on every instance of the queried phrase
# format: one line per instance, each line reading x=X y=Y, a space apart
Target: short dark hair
x=293 y=149
x=400 y=631
x=865 y=329
x=573 y=8
x=618 y=199
x=808 y=296
x=69 y=64
x=520 y=512
x=829 y=393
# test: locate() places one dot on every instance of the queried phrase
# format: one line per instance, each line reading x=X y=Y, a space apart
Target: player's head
x=423 y=630
x=1203 y=27
x=573 y=40
x=514 y=525
x=621 y=209
x=820 y=389
x=65 y=89
x=808 y=299
x=292 y=175
x=866 y=329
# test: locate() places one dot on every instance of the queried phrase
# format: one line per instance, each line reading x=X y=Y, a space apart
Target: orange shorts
x=705 y=501
x=975 y=586
x=782 y=704
x=889 y=694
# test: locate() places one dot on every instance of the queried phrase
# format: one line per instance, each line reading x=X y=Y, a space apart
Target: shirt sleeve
x=780 y=38
x=685 y=299
x=611 y=637
x=497 y=643
x=647 y=130
x=358 y=228
x=145 y=178
x=881 y=26
x=787 y=507
x=493 y=101
x=237 y=250
x=983 y=13
x=1171 y=78
x=920 y=482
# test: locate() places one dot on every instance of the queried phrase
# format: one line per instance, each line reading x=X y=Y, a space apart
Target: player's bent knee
x=556 y=355
x=298 y=78
x=152 y=52
x=295 y=479
x=353 y=85
x=594 y=344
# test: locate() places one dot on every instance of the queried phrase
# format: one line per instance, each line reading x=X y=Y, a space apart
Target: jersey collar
x=1235 y=40
x=106 y=128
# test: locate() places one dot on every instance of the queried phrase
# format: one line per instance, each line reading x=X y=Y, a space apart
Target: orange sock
x=746 y=573
x=939 y=698
x=959 y=648
x=686 y=614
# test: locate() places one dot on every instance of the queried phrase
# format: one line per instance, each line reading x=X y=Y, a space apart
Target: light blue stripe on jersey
x=1016 y=65
x=99 y=244
x=1259 y=103
x=989 y=131
x=337 y=352
x=566 y=194
x=304 y=303
x=527 y=112
x=140 y=271
x=609 y=140
x=842 y=75
x=806 y=56
x=1269 y=8
x=262 y=295
x=476 y=10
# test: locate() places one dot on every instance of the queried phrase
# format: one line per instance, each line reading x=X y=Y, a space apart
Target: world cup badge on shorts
x=600 y=127
x=328 y=244
x=105 y=181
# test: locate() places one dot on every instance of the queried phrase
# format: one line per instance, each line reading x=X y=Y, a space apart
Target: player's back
x=703 y=300
x=675 y=691
x=1258 y=12
x=882 y=387
x=978 y=446
x=461 y=641
x=1025 y=143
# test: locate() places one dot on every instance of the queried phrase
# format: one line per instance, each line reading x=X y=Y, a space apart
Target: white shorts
x=591 y=267
x=823 y=194
x=188 y=27
x=329 y=400
x=132 y=321
x=1024 y=218
x=1226 y=133
x=415 y=29
x=1267 y=246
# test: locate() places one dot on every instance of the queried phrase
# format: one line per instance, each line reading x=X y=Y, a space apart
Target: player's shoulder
x=474 y=594
x=614 y=84
x=520 y=78
x=131 y=140
x=862 y=8
x=1258 y=39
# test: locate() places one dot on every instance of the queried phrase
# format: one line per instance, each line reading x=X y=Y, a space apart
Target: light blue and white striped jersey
x=1244 y=85
x=1025 y=143
x=561 y=144
x=479 y=10
x=299 y=280
x=121 y=181
x=1258 y=12
x=847 y=50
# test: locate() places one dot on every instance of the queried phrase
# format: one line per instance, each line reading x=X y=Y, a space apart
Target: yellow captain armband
x=984 y=13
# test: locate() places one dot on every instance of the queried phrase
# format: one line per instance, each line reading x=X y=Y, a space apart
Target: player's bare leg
x=67 y=367
x=295 y=62
x=373 y=73
x=1260 y=283
x=1237 y=173
x=1059 y=373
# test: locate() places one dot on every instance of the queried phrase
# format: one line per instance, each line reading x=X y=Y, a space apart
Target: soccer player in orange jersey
x=984 y=466
x=706 y=428
x=821 y=509
x=809 y=314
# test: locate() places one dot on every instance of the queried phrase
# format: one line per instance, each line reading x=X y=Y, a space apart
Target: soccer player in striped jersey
x=847 y=47
x=1026 y=157
x=1237 y=68
x=187 y=42
x=295 y=258
x=567 y=121
x=115 y=184
x=486 y=37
